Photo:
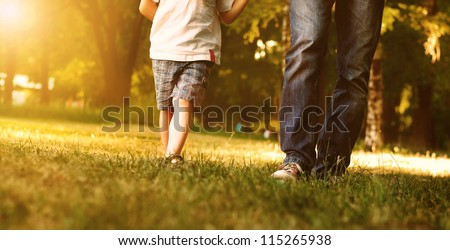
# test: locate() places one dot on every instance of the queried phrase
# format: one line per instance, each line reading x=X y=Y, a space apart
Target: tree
x=10 y=28
x=116 y=28
x=422 y=126
x=432 y=25
x=428 y=23
x=10 y=72
x=373 y=138
x=44 y=29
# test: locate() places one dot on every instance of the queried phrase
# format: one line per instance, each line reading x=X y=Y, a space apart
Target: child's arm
x=231 y=15
x=148 y=9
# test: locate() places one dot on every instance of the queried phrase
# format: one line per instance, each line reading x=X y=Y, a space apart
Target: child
x=185 y=44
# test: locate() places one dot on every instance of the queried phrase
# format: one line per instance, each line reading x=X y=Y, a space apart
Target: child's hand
x=148 y=8
x=230 y=16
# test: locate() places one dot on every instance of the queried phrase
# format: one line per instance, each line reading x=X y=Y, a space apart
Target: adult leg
x=358 y=31
x=310 y=21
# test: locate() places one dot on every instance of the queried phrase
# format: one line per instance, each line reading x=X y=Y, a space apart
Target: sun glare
x=10 y=12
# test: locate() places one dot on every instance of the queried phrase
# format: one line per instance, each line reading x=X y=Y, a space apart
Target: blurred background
x=71 y=58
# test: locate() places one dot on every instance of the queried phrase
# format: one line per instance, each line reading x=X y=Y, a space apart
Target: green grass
x=50 y=112
x=65 y=175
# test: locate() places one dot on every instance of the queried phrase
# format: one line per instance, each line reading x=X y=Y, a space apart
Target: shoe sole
x=280 y=175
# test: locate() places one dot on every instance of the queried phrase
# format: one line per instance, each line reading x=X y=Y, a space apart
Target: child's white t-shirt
x=187 y=30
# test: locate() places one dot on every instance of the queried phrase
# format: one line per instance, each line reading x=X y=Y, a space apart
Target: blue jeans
x=358 y=30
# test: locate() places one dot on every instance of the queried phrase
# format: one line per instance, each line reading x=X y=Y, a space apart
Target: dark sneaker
x=174 y=159
x=288 y=171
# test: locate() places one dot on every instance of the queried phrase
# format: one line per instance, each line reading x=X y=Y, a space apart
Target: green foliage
x=143 y=87
x=390 y=15
x=257 y=16
x=414 y=55
x=241 y=73
x=419 y=19
x=434 y=27
x=77 y=74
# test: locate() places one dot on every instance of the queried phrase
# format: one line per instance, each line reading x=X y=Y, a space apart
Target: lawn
x=66 y=175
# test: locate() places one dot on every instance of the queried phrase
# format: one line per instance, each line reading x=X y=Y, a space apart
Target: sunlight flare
x=10 y=12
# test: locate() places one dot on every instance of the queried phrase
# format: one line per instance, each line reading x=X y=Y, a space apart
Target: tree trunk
x=391 y=122
x=432 y=7
x=133 y=52
x=117 y=68
x=422 y=126
x=10 y=72
x=115 y=81
x=374 y=122
x=45 y=93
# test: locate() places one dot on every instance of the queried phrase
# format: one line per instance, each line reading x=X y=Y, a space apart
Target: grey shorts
x=180 y=80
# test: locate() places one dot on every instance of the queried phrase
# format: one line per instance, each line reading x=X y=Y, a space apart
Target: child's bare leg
x=179 y=126
x=165 y=116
